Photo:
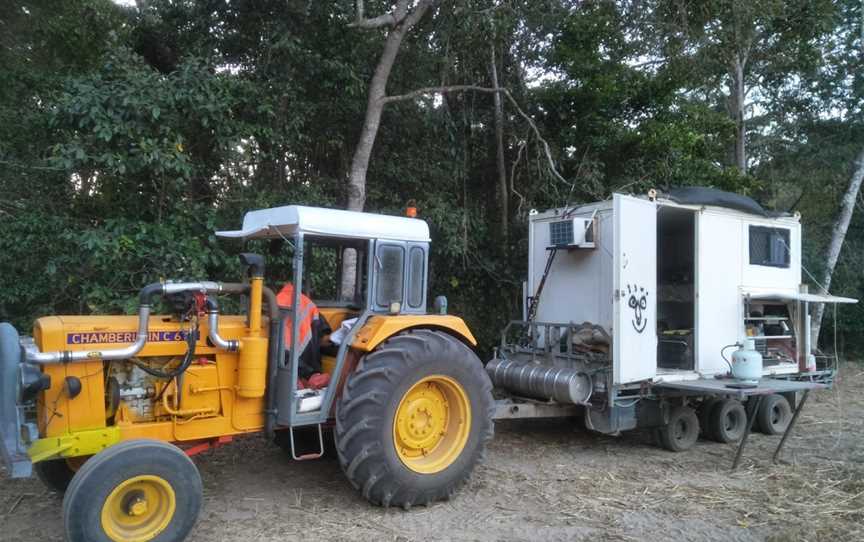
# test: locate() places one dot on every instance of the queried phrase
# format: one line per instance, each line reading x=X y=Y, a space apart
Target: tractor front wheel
x=414 y=419
x=134 y=491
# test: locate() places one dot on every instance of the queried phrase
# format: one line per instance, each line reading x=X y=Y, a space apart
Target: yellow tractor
x=109 y=409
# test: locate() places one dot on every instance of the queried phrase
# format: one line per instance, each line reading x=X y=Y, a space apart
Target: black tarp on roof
x=700 y=195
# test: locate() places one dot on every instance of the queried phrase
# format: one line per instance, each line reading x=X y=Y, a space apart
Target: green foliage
x=128 y=135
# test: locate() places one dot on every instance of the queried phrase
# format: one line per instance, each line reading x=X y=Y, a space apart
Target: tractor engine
x=131 y=386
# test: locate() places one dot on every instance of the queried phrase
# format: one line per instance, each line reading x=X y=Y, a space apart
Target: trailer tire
x=414 y=419
x=682 y=430
x=774 y=415
x=727 y=421
x=135 y=490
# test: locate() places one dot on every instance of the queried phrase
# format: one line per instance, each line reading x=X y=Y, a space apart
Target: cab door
x=634 y=289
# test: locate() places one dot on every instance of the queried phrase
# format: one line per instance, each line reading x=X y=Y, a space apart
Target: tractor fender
x=379 y=328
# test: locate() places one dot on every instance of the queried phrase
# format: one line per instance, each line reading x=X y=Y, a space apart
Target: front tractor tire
x=134 y=491
x=55 y=474
x=414 y=419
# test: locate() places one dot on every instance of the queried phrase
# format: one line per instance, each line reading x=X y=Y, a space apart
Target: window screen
x=390 y=274
x=415 y=277
x=561 y=233
x=769 y=246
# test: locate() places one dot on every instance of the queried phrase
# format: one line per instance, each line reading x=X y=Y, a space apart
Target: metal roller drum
x=541 y=381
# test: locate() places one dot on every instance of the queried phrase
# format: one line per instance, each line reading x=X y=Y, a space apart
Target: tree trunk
x=738 y=99
x=374 y=109
x=838 y=235
x=402 y=21
x=503 y=192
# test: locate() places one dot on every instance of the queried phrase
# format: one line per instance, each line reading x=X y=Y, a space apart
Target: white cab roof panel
x=291 y=219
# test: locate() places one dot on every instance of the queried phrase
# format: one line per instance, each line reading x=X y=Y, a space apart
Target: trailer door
x=634 y=289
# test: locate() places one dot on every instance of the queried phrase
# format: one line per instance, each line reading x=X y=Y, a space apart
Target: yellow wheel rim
x=138 y=509
x=432 y=424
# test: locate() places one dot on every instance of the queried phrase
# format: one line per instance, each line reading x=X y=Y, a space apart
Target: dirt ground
x=540 y=481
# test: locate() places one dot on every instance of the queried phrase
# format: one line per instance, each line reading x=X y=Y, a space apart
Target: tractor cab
x=367 y=276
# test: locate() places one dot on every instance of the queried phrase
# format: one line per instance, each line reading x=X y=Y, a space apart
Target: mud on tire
x=366 y=413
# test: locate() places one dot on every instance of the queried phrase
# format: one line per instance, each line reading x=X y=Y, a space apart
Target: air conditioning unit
x=572 y=233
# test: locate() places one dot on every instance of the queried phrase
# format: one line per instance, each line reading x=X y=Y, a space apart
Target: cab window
x=390 y=279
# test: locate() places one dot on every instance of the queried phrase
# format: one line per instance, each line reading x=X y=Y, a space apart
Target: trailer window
x=390 y=274
x=769 y=246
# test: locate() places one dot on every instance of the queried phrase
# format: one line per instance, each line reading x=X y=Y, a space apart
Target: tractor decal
x=110 y=337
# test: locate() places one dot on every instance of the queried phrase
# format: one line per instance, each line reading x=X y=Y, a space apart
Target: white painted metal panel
x=290 y=219
x=719 y=262
x=579 y=285
x=635 y=285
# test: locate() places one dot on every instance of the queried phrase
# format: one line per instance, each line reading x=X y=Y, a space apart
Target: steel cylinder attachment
x=562 y=384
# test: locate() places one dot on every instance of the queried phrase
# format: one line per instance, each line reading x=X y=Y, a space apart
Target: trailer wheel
x=133 y=491
x=414 y=419
x=682 y=431
x=727 y=421
x=774 y=415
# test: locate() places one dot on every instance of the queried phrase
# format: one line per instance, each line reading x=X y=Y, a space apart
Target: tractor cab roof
x=289 y=220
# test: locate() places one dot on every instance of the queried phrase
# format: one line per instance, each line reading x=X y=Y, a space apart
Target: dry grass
x=546 y=481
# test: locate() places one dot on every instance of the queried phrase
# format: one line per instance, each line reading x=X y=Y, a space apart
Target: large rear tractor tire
x=414 y=419
x=133 y=491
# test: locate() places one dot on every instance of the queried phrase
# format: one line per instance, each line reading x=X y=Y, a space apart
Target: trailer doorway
x=676 y=288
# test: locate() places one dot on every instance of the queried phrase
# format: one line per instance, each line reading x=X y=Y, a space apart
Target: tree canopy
x=128 y=134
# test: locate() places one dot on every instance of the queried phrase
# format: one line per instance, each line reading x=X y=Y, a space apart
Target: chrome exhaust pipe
x=213 y=329
x=530 y=379
x=33 y=355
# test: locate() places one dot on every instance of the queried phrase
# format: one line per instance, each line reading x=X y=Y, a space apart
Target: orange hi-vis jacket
x=308 y=314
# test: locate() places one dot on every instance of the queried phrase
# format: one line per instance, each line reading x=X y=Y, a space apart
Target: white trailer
x=632 y=297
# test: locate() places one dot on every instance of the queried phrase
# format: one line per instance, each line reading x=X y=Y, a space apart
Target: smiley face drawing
x=638 y=301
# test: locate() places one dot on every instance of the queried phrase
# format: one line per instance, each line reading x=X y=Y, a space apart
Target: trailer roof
x=288 y=220
x=703 y=195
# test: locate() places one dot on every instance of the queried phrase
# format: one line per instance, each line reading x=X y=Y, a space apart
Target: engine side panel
x=206 y=407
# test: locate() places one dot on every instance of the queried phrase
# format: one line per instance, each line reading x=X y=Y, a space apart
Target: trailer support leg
x=790 y=426
x=752 y=410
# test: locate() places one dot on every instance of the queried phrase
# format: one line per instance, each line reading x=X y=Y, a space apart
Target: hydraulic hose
x=191 y=341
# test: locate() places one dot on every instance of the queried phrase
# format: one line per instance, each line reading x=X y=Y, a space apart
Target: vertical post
x=803 y=339
x=752 y=410
x=790 y=426
x=295 y=321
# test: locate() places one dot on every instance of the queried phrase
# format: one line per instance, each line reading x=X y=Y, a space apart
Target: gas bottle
x=747 y=362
